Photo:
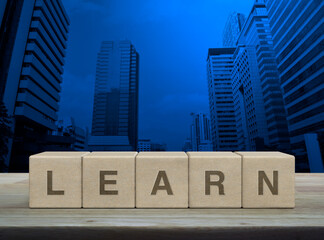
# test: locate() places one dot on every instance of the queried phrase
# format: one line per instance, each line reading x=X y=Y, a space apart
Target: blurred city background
x=148 y=75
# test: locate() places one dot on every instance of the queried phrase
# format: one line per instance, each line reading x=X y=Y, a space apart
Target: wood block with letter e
x=162 y=180
x=268 y=180
x=109 y=180
x=214 y=180
x=55 y=180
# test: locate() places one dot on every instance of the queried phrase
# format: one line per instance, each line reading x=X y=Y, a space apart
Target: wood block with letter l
x=268 y=180
x=214 y=180
x=162 y=180
x=55 y=180
x=109 y=180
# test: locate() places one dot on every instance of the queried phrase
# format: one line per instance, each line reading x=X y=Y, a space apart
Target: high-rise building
x=248 y=100
x=232 y=29
x=32 y=50
x=115 y=110
x=223 y=124
x=298 y=40
x=200 y=134
x=256 y=78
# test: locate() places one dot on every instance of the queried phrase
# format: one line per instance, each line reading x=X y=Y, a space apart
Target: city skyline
x=267 y=89
x=173 y=79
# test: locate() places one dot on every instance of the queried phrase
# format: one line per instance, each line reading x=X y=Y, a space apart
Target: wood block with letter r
x=268 y=180
x=162 y=180
x=214 y=180
x=109 y=180
x=55 y=180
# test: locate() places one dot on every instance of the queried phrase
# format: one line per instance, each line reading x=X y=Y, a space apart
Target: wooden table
x=17 y=221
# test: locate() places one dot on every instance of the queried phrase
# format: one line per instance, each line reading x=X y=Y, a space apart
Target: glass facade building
x=221 y=105
x=255 y=56
x=115 y=110
x=297 y=28
x=248 y=100
x=32 y=51
x=232 y=29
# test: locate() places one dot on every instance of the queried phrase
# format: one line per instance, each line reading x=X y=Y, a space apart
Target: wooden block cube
x=268 y=180
x=109 y=180
x=55 y=180
x=162 y=180
x=214 y=180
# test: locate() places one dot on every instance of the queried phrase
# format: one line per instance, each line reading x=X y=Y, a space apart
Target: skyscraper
x=223 y=125
x=297 y=29
x=248 y=100
x=200 y=133
x=232 y=29
x=256 y=77
x=32 y=50
x=115 y=110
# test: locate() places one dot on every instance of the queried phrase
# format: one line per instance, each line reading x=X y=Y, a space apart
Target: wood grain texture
x=306 y=221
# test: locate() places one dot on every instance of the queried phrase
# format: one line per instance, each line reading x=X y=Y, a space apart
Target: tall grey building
x=221 y=105
x=32 y=50
x=200 y=134
x=232 y=29
x=115 y=110
x=298 y=40
x=256 y=85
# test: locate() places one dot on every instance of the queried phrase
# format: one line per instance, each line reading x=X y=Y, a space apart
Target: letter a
x=162 y=175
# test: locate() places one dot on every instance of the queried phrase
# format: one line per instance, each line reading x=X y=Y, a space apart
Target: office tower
x=223 y=124
x=200 y=134
x=297 y=29
x=256 y=85
x=115 y=110
x=248 y=100
x=232 y=29
x=32 y=51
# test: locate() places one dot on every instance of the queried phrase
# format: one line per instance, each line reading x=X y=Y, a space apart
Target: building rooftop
x=220 y=51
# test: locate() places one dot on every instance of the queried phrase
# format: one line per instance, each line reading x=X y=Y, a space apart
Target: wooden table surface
x=306 y=221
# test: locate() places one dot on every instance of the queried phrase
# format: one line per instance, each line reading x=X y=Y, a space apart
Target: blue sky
x=172 y=38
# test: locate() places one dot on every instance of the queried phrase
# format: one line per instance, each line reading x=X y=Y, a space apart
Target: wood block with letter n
x=214 y=180
x=268 y=180
x=55 y=180
x=162 y=180
x=109 y=180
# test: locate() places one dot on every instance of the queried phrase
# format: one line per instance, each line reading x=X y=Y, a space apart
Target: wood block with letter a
x=268 y=180
x=109 y=180
x=162 y=180
x=214 y=180
x=55 y=180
